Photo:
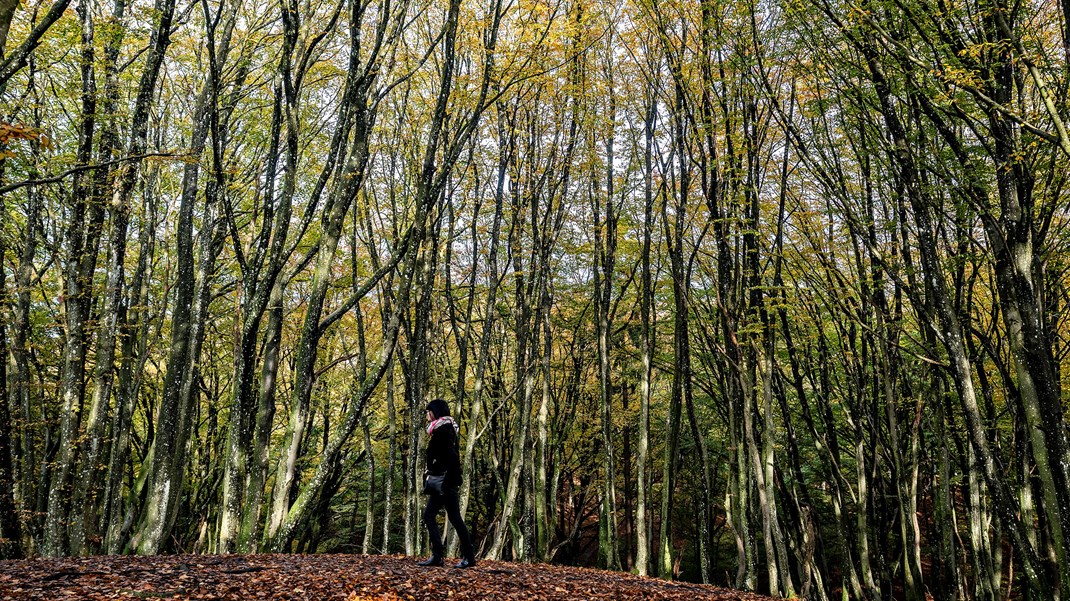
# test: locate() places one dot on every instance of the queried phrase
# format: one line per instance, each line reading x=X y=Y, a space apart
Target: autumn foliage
x=326 y=578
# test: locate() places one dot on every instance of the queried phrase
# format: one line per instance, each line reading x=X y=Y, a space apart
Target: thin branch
x=80 y=168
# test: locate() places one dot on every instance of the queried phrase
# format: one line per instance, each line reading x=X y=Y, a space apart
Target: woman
x=441 y=480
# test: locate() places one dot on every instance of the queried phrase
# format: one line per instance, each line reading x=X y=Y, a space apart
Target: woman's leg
x=453 y=512
x=430 y=516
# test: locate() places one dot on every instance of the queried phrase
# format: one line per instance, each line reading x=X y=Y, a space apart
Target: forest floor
x=328 y=577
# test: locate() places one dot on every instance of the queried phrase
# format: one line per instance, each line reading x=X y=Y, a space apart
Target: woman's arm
x=437 y=446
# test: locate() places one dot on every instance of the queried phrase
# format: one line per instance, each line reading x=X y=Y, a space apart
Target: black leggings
x=447 y=499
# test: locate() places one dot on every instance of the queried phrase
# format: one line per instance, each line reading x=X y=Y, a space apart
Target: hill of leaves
x=327 y=577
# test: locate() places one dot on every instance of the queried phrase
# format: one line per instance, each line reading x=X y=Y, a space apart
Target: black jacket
x=443 y=456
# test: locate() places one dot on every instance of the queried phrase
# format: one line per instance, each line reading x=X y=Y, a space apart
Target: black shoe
x=465 y=563
x=433 y=561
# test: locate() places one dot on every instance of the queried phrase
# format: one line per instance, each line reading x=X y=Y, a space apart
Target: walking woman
x=441 y=480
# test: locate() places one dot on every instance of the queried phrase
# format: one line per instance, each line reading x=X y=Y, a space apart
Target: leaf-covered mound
x=325 y=577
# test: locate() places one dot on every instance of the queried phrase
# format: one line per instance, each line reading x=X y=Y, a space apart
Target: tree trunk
x=7 y=14
x=259 y=276
x=506 y=140
x=10 y=528
x=508 y=526
x=75 y=303
x=642 y=535
x=20 y=353
x=307 y=350
x=135 y=345
x=369 y=510
x=672 y=430
x=392 y=440
x=416 y=377
x=84 y=516
x=604 y=262
x=265 y=414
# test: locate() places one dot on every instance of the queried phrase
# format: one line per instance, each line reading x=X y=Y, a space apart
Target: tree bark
x=10 y=527
x=134 y=335
x=605 y=255
x=76 y=302
x=646 y=292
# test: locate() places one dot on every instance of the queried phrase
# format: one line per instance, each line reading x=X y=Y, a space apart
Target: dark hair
x=438 y=408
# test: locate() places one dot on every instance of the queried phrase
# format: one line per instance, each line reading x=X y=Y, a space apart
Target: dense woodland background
x=765 y=293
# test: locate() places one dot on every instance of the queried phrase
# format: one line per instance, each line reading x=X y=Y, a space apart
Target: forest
x=770 y=294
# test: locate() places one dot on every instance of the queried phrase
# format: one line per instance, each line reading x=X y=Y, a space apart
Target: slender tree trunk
x=944 y=514
x=676 y=258
x=524 y=370
x=135 y=345
x=75 y=303
x=757 y=465
x=307 y=349
x=605 y=260
x=20 y=353
x=392 y=428
x=10 y=527
x=259 y=277
x=85 y=516
x=786 y=585
x=416 y=380
x=159 y=472
x=544 y=504
x=1017 y=274
x=265 y=414
x=475 y=410
x=642 y=557
x=369 y=510
x=7 y=14
x=507 y=523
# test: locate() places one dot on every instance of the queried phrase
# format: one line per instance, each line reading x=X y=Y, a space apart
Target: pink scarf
x=441 y=422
